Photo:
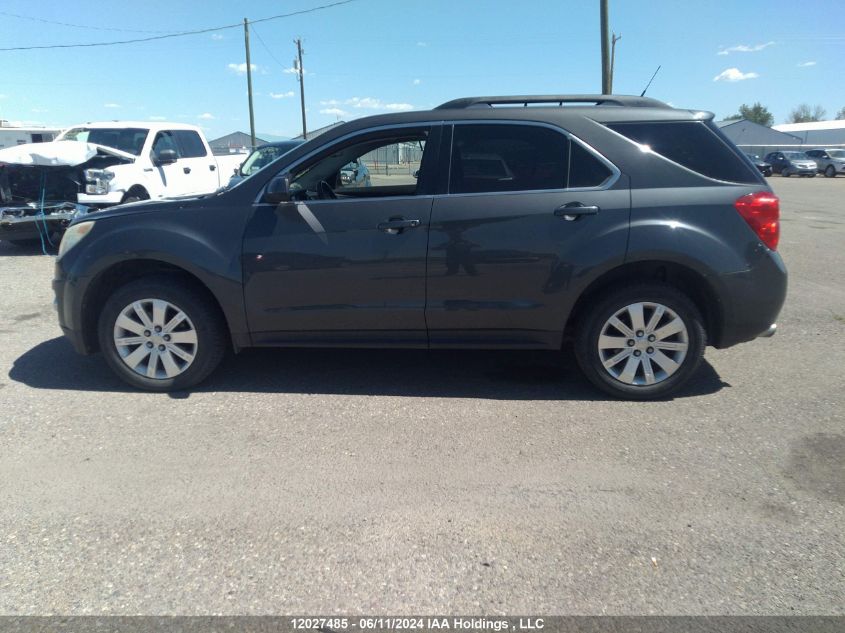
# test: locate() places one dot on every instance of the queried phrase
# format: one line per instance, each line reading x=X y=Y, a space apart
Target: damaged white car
x=43 y=186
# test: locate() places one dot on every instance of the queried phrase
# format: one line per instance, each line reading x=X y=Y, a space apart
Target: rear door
x=528 y=211
x=197 y=163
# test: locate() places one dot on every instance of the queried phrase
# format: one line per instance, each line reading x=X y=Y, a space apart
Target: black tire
x=784 y=172
x=135 y=195
x=209 y=326
x=830 y=172
x=593 y=320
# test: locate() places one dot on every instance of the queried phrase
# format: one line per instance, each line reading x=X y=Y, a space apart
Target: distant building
x=817 y=133
x=318 y=131
x=11 y=136
x=754 y=138
x=234 y=143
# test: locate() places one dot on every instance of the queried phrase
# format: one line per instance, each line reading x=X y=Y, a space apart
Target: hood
x=58 y=153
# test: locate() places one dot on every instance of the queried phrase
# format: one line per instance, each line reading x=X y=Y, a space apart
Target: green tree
x=841 y=114
x=805 y=114
x=758 y=113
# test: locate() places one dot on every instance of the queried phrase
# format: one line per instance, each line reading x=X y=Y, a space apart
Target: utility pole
x=300 y=71
x=605 y=58
x=249 y=84
x=613 y=41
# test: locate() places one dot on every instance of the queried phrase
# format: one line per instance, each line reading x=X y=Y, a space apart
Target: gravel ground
x=413 y=482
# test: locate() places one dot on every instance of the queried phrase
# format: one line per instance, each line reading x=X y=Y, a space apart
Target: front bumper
x=100 y=200
x=31 y=222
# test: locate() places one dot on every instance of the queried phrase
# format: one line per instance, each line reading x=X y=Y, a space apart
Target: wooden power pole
x=605 y=53
x=613 y=41
x=300 y=72
x=249 y=84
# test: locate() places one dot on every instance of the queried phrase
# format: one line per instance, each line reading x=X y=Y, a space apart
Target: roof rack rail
x=526 y=100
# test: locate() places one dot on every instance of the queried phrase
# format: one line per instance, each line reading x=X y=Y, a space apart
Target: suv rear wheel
x=641 y=342
x=161 y=334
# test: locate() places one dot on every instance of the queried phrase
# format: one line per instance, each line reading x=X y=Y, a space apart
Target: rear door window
x=190 y=144
x=691 y=144
x=495 y=158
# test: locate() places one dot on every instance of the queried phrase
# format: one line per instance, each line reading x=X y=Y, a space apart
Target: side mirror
x=165 y=157
x=278 y=190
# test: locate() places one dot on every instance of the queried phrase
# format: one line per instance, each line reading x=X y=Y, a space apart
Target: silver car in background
x=830 y=161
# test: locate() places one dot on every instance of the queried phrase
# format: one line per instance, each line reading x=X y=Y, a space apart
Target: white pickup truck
x=44 y=186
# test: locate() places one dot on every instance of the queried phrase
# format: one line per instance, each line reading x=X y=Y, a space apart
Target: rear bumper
x=753 y=299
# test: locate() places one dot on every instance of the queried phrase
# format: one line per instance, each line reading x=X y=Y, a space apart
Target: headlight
x=74 y=235
x=97 y=180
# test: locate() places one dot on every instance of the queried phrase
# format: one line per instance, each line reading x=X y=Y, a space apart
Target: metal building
x=754 y=138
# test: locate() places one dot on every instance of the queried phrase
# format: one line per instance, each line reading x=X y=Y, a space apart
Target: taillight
x=762 y=212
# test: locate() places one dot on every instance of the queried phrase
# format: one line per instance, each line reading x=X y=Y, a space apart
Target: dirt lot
x=324 y=481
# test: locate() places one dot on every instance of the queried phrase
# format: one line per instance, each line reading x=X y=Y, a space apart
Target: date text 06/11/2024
x=417 y=623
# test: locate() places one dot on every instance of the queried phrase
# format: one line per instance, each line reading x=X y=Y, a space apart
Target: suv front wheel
x=161 y=334
x=641 y=342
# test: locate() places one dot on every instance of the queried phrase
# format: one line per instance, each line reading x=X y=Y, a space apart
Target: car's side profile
x=635 y=230
x=829 y=161
x=792 y=164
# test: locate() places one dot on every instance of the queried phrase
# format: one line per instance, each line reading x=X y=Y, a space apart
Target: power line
x=267 y=48
x=182 y=33
x=77 y=26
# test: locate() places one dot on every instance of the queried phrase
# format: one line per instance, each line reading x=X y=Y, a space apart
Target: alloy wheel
x=644 y=343
x=155 y=338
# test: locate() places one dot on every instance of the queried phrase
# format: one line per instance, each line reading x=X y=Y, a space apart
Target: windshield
x=836 y=153
x=263 y=156
x=796 y=155
x=130 y=140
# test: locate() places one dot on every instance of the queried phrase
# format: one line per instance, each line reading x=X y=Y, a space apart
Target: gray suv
x=634 y=231
x=829 y=161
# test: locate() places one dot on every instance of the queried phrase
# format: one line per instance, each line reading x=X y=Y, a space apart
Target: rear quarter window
x=691 y=144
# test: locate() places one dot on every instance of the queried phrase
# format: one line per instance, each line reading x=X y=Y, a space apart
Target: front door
x=344 y=262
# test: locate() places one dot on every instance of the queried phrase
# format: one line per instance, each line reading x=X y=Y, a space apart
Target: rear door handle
x=574 y=210
x=187 y=170
x=396 y=225
x=212 y=167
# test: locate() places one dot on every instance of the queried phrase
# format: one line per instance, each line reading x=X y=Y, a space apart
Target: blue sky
x=371 y=56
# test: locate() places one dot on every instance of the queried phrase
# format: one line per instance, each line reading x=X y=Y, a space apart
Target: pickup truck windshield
x=129 y=140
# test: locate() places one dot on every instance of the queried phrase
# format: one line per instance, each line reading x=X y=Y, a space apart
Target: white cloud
x=4 y=96
x=806 y=64
x=281 y=95
x=206 y=116
x=217 y=37
x=744 y=48
x=111 y=105
x=39 y=110
x=371 y=103
x=416 y=82
x=240 y=69
x=330 y=102
x=158 y=117
x=334 y=111
x=292 y=71
x=734 y=74
x=422 y=44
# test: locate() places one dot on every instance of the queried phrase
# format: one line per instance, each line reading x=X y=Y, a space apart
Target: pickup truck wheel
x=161 y=334
x=785 y=173
x=830 y=172
x=642 y=342
x=134 y=195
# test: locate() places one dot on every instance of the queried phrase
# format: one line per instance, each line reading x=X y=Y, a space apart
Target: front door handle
x=187 y=170
x=212 y=167
x=574 y=210
x=396 y=225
